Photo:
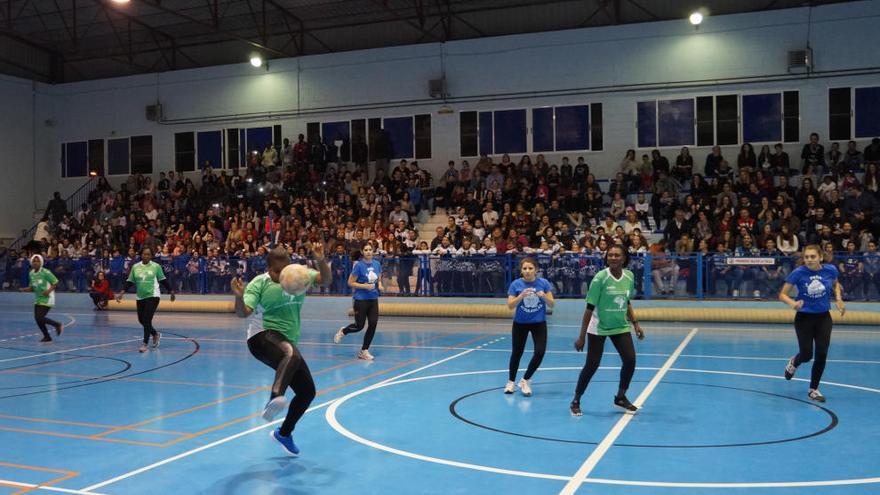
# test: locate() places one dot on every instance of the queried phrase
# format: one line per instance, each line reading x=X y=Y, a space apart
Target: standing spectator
x=713 y=161
x=270 y=156
x=813 y=156
x=746 y=158
x=684 y=165
x=57 y=207
x=779 y=161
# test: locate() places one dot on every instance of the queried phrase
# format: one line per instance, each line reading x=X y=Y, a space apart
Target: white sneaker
x=735 y=293
x=156 y=339
x=757 y=294
x=365 y=355
x=339 y=335
x=525 y=388
x=143 y=348
x=815 y=395
x=273 y=407
x=510 y=387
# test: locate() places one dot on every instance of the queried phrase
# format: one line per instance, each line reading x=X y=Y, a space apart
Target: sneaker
x=815 y=395
x=575 y=408
x=156 y=339
x=339 y=335
x=525 y=388
x=365 y=355
x=46 y=339
x=143 y=348
x=625 y=404
x=59 y=329
x=287 y=444
x=757 y=294
x=510 y=387
x=735 y=293
x=273 y=407
x=790 y=369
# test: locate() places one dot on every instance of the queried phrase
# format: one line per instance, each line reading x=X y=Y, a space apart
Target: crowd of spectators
x=754 y=204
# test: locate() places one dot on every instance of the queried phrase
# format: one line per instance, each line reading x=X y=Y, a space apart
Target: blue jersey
x=814 y=287
x=367 y=273
x=532 y=308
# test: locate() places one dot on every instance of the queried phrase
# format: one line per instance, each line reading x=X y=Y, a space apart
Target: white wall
x=16 y=155
x=615 y=65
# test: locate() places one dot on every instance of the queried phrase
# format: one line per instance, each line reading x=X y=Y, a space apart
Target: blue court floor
x=89 y=414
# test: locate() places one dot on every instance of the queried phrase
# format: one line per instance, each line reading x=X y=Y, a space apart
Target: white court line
x=31 y=486
x=483 y=349
x=432 y=321
x=62 y=351
x=258 y=428
x=572 y=486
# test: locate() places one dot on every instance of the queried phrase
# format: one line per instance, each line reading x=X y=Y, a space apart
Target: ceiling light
x=120 y=1
x=256 y=61
x=696 y=18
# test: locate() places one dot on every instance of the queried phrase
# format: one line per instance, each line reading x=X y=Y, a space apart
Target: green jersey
x=39 y=282
x=273 y=308
x=610 y=296
x=146 y=279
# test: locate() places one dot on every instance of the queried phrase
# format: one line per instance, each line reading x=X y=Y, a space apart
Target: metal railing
x=73 y=202
x=669 y=277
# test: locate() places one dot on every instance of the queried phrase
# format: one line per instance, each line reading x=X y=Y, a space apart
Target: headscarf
x=42 y=263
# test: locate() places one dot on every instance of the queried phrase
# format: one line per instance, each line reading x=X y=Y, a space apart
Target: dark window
x=467 y=133
x=675 y=122
x=867 y=117
x=596 y=137
x=705 y=121
x=423 y=136
x=77 y=159
x=374 y=127
x=96 y=156
x=572 y=128
x=313 y=129
x=118 y=156
x=542 y=129
x=232 y=156
x=184 y=151
x=839 y=112
x=487 y=142
x=791 y=117
x=646 y=124
x=510 y=131
x=727 y=111
x=762 y=118
x=142 y=154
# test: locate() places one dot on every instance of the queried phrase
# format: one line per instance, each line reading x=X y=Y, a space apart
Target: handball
x=294 y=279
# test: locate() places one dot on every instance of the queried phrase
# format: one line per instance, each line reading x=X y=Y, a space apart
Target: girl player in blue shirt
x=366 y=280
x=814 y=281
x=531 y=296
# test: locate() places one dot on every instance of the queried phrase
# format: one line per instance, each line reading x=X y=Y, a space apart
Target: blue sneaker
x=287 y=444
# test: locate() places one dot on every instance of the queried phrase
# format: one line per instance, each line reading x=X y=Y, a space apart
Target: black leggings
x=365 y=310
x=40 y=313
x=813 y=327
x=146 y=308
x=275 y=351
x=595 y=347
x=521 y=333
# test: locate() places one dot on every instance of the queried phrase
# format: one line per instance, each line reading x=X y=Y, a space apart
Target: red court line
x=140 y=380
x=320 y=392
x=417 y=342
x=80 y=437
x=88 y=425
x=469 y=341
x=200 y=406
x=67 y=476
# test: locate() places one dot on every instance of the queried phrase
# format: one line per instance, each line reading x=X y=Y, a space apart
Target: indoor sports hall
x=297 y=247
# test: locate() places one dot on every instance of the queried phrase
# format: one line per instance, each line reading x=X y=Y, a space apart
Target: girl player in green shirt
x=608 y=309
x=272 y=336
x=42 y=284
x=146 y=277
